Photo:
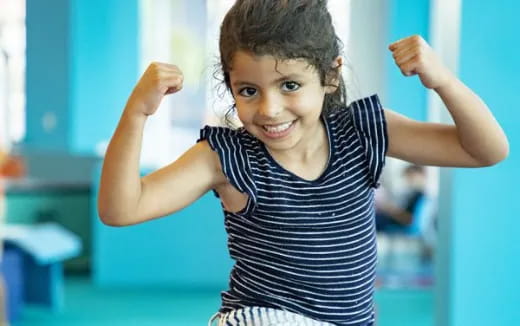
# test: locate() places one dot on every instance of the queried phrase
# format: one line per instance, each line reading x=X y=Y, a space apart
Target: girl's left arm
x=475 y=140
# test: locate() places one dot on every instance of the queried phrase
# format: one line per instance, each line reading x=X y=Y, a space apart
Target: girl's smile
x=280 y=130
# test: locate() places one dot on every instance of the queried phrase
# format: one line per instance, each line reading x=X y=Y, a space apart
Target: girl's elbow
x=111 y=221
x=498 y=156
x=107 y=219
x=110 y=217
x=504 y=153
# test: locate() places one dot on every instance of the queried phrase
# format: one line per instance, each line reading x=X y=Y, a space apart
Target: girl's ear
x=334 y=75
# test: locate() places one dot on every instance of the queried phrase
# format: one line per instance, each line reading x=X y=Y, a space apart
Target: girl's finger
x=414 y=39
x=405 y=47
x=406 y=55
x=409 y=68
x=397 y=43
x=165 y=68
x=172 y=84
x=171 y=75
x=173 y=68
x=172 y=90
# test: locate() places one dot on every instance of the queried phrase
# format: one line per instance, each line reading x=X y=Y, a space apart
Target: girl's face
x=279 y=102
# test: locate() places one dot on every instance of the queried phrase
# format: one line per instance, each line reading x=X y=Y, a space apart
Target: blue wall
x=486 y=202
x=104 y=68
x=183 y=250
x=406 y=94
x=82 y=62
x=47 y=72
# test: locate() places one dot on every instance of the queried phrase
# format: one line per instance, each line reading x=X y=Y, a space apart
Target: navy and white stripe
x=306 y=246
x=261 y=316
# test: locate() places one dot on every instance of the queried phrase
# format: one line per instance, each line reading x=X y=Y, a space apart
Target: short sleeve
x=233 y=156
x=370 y=125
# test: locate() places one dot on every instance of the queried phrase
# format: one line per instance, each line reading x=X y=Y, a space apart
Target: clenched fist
x=158 y=80
x=415 y=57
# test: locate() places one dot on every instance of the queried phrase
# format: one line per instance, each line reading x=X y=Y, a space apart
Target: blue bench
x=33 y=264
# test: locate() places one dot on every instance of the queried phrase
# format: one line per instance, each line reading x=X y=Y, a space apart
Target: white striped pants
x=260 y=316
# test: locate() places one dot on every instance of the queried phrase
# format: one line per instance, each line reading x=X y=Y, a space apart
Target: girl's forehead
x=244 y=62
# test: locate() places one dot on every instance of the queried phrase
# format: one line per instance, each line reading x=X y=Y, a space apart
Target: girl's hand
x=415 y=57
x=158 y=80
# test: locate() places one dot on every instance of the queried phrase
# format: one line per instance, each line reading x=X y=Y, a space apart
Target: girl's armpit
x=233 y=200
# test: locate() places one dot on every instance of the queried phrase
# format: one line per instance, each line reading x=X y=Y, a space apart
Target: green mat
x=87 y=305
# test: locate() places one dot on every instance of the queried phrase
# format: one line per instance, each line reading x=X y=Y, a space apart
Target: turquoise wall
x=47 y=73
x=104 y=67
x=82 y=62
x=406 y=95
x=485 y=202
x=187 y=249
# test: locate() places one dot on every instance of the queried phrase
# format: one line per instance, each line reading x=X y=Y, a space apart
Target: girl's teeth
x=278 y=128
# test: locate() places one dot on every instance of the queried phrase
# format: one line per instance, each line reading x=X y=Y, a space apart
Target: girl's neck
x=309 y=158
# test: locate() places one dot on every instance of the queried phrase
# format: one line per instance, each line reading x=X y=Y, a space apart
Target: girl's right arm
x=124 y=197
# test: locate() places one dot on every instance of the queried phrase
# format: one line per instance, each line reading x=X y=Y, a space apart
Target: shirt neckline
x=279 y=167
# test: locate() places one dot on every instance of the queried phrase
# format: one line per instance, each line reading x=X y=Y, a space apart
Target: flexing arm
x=124 y=197
x=120 y=186
x=475 y=140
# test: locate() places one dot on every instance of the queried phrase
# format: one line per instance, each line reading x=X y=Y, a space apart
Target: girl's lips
x=279 y=131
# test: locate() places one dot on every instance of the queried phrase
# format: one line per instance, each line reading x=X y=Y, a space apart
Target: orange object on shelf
x=12 y=167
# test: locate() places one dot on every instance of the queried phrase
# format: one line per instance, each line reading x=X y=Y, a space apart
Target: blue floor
x=87 y=305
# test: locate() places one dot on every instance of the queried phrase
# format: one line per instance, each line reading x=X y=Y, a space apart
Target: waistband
x=261 y=316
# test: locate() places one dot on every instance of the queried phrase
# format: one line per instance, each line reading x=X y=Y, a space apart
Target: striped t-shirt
x=304 y=246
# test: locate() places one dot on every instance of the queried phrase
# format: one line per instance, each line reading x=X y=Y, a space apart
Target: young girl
x=297 y=181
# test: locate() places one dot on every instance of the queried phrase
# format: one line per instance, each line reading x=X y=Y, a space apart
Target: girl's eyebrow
x=292 y=76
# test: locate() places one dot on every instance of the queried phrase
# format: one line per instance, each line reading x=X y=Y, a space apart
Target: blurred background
x=447 y=238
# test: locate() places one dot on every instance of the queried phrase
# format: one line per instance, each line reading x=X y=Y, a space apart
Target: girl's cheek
x=303 y=103
x=243 y=114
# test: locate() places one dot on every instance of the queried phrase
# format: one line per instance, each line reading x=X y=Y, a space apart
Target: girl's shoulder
x=232 y=147
x=370 y=103
x=361 y=113
x=225 y=138
x=362 y=123
x=219 y=130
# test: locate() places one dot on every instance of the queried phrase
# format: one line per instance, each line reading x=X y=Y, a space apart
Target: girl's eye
x=247 y=92
x=290 y=86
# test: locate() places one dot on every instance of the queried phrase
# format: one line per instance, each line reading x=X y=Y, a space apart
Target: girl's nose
x=270 y=107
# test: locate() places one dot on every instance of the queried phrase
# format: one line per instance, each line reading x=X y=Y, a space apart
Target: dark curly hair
x=285 y=29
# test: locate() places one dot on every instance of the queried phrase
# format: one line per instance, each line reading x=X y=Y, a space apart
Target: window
x=12 y=72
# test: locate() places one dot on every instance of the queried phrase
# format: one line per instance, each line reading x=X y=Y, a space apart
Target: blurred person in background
x=401 y=213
